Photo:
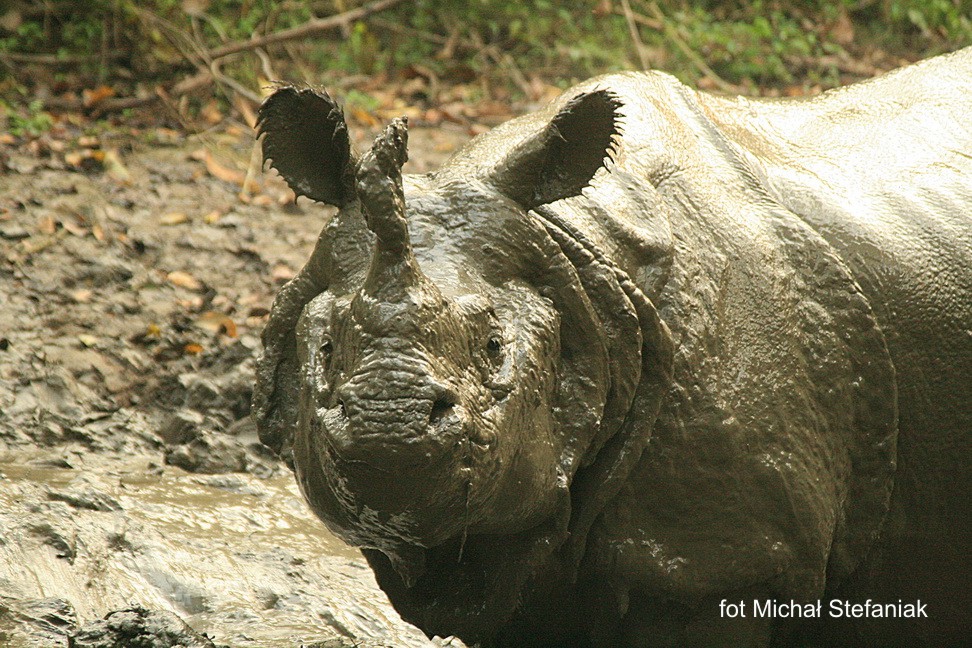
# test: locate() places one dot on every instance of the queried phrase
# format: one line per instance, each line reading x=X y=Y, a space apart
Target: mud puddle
x=131 y=304
x=236 y=557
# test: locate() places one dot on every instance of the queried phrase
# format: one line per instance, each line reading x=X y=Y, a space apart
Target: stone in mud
x=181 y=426
x=36 y=623
x=85 y=498
x=57 y=537
x=208 y=453
x=139 y=627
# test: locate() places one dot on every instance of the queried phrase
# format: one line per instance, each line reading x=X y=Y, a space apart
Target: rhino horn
x=379 y=185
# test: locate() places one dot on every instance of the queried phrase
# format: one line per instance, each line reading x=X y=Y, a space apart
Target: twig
x=184 y=87
x=505 y=61
x=431 y=37
x=237 y=87
x=206 y=60
x=840 y=63
x=56 y=60
x=633 y=28
x=307 y=29
x=673 y=35
x=643 y=20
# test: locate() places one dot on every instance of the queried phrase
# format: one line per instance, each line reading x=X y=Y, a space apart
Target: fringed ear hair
x=562 y=158
x=305 y=138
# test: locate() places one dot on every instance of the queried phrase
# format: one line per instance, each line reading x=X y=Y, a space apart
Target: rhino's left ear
x=560 y=160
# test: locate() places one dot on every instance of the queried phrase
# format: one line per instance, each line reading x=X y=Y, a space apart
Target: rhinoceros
x=648 y=367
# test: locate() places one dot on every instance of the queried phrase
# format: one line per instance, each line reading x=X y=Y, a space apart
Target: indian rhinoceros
x=643 y=355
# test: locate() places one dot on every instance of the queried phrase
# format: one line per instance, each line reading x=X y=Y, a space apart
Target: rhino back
x=775 y=444
x=883 y=171
x=813 y=262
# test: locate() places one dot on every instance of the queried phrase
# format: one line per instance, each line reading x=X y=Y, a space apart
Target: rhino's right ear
x=305 y=138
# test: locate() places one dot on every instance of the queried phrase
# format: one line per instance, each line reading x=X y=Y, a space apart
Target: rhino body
x=641 y=352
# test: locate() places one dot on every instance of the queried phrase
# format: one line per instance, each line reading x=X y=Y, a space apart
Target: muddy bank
x=134 y=287
x=236 y=557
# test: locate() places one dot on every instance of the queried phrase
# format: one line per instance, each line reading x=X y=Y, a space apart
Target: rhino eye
x=324 y=353
x=494 y=345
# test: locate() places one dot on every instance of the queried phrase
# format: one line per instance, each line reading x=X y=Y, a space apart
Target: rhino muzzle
x=372 y=426
x=407 y=456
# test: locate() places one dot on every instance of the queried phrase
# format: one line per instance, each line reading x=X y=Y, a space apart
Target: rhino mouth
x=405 y=485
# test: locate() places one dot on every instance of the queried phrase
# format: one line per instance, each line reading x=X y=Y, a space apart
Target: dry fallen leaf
x=115 y=168
x=193 y=349
x=47 y=225
x=195 y=8
x=184 y=280
x=211 y=113
x=93 y=97
x=282 y=273
x=212 y=217
x=173 y=218
x=363 y=117
x=74 y=158
x=222 y=172
x=33 y=246
x=82 y=296
x=86 y=159
x=193 y=304
x=217 y=323
x=842 y=31
x=75 y=229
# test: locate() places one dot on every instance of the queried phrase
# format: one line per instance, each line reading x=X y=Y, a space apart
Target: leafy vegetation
x=507 y=44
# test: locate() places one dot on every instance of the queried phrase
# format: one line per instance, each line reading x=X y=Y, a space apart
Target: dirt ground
x=136 y=273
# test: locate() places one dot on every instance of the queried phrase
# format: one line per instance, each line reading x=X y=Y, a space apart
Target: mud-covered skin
x=639 y=352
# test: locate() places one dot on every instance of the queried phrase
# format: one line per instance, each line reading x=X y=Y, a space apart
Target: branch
x=57 y=60
x=185 y=86
x=673 y=35
x=206 y=76
x=633 y=29
x=307 y=29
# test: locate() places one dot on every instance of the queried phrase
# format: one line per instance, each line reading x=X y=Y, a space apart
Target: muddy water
x=237 y=557
x=113 y=380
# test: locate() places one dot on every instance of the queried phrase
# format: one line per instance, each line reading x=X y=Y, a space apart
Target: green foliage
x=357 y=99
x=762 y=41
x=950 y=20
x=756 y=41
x=543 y=36
x=31 y=122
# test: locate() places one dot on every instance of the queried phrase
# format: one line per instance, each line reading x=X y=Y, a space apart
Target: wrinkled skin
x=639 y=352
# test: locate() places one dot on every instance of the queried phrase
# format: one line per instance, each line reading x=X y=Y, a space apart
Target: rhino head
x=438 y=371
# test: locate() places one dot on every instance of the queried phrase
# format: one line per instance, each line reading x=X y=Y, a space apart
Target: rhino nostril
x=441 y=408
x=344 y=410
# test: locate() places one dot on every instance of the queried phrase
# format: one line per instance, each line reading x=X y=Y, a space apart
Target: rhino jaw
x=399 y=464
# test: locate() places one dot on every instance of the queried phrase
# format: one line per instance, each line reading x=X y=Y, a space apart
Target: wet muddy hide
x=639 y=352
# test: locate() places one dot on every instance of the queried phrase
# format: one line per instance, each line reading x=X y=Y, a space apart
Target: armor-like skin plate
x=642 y=351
